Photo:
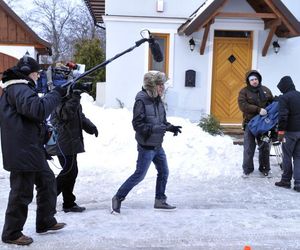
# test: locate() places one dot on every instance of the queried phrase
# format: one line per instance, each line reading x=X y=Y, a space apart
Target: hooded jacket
x=252 y=99
x=22 y=116
x=289 y=103
x=69 y=120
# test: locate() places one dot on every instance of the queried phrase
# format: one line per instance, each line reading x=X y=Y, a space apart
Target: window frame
x=166 y=51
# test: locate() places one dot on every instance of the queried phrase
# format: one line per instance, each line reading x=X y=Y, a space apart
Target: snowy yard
x=216 y=208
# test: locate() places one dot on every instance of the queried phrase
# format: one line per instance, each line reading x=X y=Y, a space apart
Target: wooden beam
x=270 y=24
x=269 y=39
x=288 y=25
x=246 y=15
x=204 y=38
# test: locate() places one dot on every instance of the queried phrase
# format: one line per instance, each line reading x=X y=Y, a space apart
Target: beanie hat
x=27 y=65
x=151 y=79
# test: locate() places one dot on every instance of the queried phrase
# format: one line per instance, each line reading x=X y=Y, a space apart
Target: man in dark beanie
x=252 y=100
x=150 y=124
x=289 y=132
x=22 y=120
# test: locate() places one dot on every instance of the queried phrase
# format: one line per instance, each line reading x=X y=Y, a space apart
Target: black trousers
x=21 y=195
x=67 y=178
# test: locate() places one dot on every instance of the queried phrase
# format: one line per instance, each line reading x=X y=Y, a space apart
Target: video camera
x=59 y=75
x=83 y=87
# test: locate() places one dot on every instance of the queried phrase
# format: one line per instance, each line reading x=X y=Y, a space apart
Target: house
x=208 y=47
x=17 y=39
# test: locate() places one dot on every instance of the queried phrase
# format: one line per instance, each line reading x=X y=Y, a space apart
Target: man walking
x=22 y=116
x=150 y=124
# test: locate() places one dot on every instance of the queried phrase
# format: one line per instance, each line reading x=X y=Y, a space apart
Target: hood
x=286 y=84
x=15 y=74
x=253 y=73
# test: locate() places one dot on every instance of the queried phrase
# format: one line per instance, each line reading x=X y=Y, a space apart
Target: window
x=232 y=33
x=163 y=41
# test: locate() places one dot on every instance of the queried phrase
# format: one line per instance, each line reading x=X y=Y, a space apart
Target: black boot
x=162 y=204
x=116 y=204
x=75 y=209
x=297 y=188
x=284 y=184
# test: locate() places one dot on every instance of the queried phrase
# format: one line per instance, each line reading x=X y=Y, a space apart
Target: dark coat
x=69 y=120
x=289 y=103
x=250 y=100
x=149 y=120
x=22 y=116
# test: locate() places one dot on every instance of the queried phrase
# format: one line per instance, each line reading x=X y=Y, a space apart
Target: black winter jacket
x=149 y=120
x=289 y=103
x=22 y=116
x=69 y=121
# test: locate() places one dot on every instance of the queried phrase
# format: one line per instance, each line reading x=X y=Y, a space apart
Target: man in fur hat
x=150 y=124
x=252 y=101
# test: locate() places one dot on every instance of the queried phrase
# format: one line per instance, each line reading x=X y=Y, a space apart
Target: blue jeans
x=249 y=150
x=145 y=157
x=291 y=150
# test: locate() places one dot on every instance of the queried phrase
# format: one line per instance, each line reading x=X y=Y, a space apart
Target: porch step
x=235 y=132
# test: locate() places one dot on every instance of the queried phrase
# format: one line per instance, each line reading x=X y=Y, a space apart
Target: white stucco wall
x=125 y=74
x=172 y=8
x=17 y=51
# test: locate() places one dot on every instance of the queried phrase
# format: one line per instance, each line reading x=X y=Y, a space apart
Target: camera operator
x=69 y=121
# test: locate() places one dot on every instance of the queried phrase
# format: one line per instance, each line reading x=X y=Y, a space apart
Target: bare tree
x=12 y=3
x=62 y=23
x=51 y=19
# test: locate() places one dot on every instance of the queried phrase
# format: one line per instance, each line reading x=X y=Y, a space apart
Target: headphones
x=26 y=66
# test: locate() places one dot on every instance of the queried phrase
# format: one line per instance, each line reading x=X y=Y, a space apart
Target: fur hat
x=27 y=65
x=151 y=79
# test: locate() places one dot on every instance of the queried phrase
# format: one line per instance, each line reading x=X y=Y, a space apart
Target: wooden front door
x=232 y=59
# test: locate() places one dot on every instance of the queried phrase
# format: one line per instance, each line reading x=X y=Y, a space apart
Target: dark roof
x=210 y=9
x=43 y=47
x=97 y=9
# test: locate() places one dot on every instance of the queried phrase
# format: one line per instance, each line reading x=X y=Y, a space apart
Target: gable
x=273 y=13
x=13 y=31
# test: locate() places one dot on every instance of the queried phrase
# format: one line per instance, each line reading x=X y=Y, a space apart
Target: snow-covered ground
x=216 y=208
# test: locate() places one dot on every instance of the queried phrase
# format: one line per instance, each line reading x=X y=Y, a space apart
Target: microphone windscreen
x=155 y=50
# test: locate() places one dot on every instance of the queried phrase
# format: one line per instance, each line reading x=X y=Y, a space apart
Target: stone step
x=235 y=132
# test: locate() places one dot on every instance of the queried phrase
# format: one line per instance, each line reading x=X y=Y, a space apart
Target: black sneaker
x=284 y=184
x=74 y=209
x=55 y=227
x=297 y=188
x=162 y=204
x=116 y=204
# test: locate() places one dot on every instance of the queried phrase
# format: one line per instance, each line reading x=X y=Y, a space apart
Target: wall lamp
x=276 y=46
x=192 y=44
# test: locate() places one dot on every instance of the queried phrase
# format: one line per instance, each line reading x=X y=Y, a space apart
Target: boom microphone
x=155 y=50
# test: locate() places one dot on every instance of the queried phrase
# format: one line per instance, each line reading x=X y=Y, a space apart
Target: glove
x=263 y=112
x=160 y=129
x=63 y=91
x=60 y=90
x=95 y=131
x=280 y=136
x=175 y=130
